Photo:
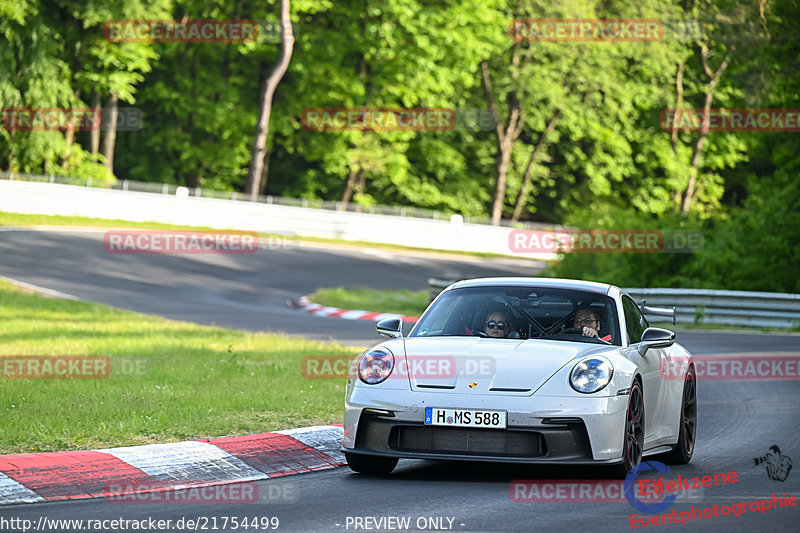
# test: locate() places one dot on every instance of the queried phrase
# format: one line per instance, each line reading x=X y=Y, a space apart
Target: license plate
x=465 y=418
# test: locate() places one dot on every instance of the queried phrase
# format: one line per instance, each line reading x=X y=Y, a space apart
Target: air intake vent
x=467 y=441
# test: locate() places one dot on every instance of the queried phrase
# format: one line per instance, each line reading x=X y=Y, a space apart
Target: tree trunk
x=110 y=138
x=678 y=105
x=348 y=188
x=526 y=180
x=265 y=172
x=265 y=106
x=676 y=193
x=697 y=153
x=501 y=176
x=69 y=137
x=96 y=131
x=361 y=184
x=505 y=135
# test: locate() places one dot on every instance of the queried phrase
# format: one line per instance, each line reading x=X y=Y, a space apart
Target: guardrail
x=170 y=189
x=730 y=308
x=708 y=306
x=184 y=207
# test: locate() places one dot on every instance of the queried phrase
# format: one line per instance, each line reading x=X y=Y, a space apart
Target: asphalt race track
x=738 y=420
x=242 y=291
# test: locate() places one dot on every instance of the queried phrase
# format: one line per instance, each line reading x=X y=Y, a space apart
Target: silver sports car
x=524 y=370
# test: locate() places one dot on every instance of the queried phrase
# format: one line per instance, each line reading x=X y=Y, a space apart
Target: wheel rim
x=689 y=422
x=634 y=433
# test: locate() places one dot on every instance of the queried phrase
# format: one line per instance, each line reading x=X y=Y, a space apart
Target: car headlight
x=375 y=366
x=591 y=375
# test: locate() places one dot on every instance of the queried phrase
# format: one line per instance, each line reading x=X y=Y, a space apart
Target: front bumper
x=541 y=429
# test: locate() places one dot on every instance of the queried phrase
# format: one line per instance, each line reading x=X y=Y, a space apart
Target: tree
x=507 y=130
x=265 y=105
x=57 y=53
x=535 y=154
x=110 y=137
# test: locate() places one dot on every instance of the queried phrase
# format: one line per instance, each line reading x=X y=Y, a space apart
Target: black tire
x=634 y=432
x=682 y=453
x=370 y=464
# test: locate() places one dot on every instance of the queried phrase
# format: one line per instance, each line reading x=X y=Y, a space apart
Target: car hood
x=487 y=366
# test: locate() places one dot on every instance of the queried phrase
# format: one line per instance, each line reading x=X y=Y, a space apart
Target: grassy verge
x=22 y=220
x=192 y=381
x=403 y=302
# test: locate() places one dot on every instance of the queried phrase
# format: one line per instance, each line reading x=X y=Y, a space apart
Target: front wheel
x=682 y=453
x=370 y=464
x=634 y=432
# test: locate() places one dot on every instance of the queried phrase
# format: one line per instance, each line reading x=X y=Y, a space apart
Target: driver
x=496 y=324
x=588 y=321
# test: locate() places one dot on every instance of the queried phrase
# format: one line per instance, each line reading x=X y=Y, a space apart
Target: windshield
x=522 y=313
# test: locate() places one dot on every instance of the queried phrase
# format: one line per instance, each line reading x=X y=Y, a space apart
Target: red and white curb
x=37 y=477
x=308 y=306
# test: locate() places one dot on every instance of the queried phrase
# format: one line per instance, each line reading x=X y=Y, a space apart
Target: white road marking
x=14 y=492
x=326 y=439
x=187 y=461
x=49 y=292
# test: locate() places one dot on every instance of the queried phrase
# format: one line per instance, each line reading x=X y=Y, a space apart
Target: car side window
x=634 y=321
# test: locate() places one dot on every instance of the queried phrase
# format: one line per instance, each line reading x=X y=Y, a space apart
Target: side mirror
x=656 y=338
x=390 y=327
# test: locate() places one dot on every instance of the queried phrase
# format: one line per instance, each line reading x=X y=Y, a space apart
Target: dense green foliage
x=606 y=162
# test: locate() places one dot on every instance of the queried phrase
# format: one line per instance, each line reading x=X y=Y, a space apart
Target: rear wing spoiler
x=659 y=311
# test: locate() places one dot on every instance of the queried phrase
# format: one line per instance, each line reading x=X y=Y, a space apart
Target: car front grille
x=467 y=441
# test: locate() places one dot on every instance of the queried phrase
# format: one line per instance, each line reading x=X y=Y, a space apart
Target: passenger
x=497 y=325
x=588 y=321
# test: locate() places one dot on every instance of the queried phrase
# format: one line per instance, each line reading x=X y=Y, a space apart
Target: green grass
x=411 y=303
x=199 y=381
x=22 y=220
